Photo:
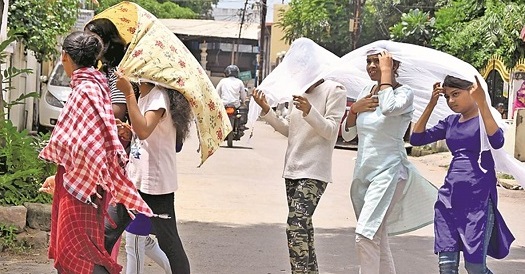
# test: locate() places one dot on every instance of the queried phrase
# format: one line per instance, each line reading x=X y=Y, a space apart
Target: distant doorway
x=496 y=87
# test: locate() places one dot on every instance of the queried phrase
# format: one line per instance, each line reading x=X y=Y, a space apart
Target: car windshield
x=59 y=77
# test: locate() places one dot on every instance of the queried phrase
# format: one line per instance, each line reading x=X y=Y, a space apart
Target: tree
x=39 y=23
x=323 y=21
x=166 y=9
x=326 y=22
x=380 y=15
x=416 y=27
x=475 y=30
x=201 y=7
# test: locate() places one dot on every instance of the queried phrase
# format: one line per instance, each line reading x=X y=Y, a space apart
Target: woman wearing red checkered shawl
x=90 y=161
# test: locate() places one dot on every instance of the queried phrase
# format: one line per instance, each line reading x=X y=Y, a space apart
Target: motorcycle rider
x=231 y=88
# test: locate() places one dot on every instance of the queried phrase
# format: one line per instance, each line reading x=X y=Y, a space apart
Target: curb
x=509 y=184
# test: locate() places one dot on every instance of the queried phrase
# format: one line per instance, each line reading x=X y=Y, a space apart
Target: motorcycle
x=238 y=118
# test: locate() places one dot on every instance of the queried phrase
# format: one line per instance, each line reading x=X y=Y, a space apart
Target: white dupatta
x=303 y=65
x=420 y=68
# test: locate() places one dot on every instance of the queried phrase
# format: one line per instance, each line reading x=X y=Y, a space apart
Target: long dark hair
x=83 y=48
x=114 y=45
x=181 y=114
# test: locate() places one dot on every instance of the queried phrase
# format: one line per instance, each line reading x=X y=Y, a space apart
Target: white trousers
x=137 y=248
x=374 y=255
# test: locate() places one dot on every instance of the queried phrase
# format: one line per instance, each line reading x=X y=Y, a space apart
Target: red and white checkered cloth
x=85 y=142
x=76 y=242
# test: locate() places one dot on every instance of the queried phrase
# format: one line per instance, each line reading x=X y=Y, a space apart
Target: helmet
x=231 y=70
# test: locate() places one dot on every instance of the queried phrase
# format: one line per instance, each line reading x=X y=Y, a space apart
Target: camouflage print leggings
x=303 y=196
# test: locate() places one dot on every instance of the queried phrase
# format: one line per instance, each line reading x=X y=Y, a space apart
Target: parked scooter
x=238 y=118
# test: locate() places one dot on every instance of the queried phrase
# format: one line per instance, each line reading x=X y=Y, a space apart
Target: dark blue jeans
x=164 y=229
x=449 y=261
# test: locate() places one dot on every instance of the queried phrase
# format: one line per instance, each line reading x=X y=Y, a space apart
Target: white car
x=54 y=96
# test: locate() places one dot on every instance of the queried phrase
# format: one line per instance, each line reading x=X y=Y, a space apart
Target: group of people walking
x=98 y=194
x=388 y=194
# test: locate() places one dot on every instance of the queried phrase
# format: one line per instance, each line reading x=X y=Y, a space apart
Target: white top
x=311 y=139
x=152 y=162
x=231 y=91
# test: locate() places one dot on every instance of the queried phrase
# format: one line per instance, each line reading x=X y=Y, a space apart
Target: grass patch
x=502 y=175
x=8 y=239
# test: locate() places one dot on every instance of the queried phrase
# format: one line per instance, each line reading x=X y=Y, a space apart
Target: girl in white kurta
x=388 y=195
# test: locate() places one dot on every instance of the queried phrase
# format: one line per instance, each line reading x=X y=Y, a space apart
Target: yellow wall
x=276 y=43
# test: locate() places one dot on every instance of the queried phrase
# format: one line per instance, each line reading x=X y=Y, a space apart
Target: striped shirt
x=117 y=97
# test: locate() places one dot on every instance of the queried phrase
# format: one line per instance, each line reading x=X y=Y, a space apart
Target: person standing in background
x=520 y=99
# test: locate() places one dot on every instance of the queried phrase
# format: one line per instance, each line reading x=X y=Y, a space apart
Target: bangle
x=386 y=84
x=130 y=95
x=352 y=111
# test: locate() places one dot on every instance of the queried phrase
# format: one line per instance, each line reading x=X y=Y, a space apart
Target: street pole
x=358 y=4
x=261 y=41
x=235 y=48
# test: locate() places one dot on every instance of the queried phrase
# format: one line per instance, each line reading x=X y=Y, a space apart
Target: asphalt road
x=232 y=214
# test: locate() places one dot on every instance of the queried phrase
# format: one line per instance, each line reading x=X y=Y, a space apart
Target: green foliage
x=8 y=237
x=21 y=98
x=40 y=23
x=201 y=7
x=380 y=15
x=372 y=28
x=501 y=175
x=21 y=172
x=472 y=30
x=3 y=78
x=323 y=21
x=415 y=28
x=160 y=10
x=475 y=31
x=8 y=74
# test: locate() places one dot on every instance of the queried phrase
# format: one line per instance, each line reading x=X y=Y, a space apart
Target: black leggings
x=164 y=229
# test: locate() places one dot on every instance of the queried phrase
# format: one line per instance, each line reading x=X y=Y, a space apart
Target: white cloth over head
x=303 y=65
x=420 y=68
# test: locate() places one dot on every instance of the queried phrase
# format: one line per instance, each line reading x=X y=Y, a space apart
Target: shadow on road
x=218 y=248
x=237 y=147
x=262 y=248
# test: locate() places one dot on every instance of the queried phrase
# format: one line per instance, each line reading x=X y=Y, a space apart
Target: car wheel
x=42 y=129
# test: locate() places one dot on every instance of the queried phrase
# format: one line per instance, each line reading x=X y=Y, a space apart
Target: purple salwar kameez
x=462 y=205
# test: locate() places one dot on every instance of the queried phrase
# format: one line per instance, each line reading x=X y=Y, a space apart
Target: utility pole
x=235 y=48
x=261 y=42
x=356 y=21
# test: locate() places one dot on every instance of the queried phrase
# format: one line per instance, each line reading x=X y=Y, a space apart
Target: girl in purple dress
x=466 y=215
